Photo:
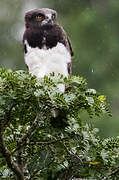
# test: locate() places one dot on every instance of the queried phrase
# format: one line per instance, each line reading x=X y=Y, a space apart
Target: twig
x=20 y=160
x=48 y=142
x=71 y=153
x=11 y=164
x=7 y=117
x=17 y=168
x=23 y=139
x=112 y=173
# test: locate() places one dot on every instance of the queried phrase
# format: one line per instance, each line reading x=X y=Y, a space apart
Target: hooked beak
x=48 y=20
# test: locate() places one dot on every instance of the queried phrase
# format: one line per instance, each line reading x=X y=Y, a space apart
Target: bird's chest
x=42 y=62
x=44 y=38
x=50 y=38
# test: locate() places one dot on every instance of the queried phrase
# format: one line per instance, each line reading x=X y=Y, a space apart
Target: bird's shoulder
x=66 y=38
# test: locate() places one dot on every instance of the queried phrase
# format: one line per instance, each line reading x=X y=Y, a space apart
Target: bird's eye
x=39 y=17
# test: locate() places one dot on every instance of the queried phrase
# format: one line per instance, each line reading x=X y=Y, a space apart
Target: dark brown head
x=40 y=17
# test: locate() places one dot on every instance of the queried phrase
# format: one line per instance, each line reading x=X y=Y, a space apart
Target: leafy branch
x=9 y=159
x=36 y=145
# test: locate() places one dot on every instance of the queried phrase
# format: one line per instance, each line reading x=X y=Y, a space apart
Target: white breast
x=45 y=61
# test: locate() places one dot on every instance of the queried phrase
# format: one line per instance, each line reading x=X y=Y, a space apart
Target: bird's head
x=40 y=17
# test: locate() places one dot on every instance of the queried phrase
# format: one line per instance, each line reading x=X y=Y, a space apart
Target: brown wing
x=69 y=48
x=69 y=65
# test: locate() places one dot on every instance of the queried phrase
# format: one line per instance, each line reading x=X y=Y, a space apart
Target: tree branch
x=20 y=160
x=23 y=139
x=48 y=142
x=11 y=164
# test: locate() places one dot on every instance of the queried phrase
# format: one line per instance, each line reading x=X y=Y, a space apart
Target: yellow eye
x=39 y=17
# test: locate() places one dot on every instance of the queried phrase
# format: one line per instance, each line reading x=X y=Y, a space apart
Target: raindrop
x=92 y=70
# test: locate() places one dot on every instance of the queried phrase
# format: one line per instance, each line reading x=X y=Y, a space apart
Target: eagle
x=47 y=47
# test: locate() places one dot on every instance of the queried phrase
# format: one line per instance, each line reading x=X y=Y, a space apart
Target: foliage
x=35 y=144
x=92 y=26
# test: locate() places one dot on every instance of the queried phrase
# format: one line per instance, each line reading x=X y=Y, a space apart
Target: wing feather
x=68 y=46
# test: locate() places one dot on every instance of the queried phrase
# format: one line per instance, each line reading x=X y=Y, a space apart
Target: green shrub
x=36 y=145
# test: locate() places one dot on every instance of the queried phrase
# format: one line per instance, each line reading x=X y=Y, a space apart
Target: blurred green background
x=93 y=27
